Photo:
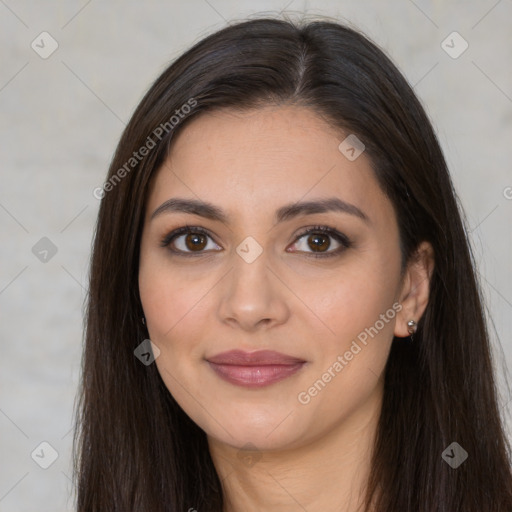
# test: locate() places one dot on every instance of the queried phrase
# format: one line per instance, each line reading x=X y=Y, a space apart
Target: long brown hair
x=134 y=447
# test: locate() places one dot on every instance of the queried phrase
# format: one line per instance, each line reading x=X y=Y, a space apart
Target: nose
x=252 y=296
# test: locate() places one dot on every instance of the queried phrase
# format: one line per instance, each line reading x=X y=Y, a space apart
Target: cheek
x=358 y=316
x=357 y=322
x=173 y=302
x=174 y=307
x=351 y=300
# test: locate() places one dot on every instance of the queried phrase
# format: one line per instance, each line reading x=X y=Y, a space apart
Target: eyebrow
x=287 y=212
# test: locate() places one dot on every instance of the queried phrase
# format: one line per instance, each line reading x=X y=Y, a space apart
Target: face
x=258 y=272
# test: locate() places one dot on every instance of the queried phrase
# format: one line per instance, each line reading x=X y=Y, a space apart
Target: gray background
x=61 y=117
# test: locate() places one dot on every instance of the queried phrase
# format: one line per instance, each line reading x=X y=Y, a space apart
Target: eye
x=188 y=240
x=318 y=238
x=193 y=240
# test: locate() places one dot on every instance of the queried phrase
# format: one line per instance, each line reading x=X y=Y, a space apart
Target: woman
x=283 y=310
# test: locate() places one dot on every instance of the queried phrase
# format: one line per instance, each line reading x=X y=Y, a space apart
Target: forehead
x=259 y=159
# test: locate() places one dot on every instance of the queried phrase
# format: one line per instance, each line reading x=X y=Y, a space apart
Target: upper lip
x=258 y=358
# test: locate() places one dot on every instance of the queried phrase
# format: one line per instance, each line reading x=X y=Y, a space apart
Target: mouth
x=254 y=369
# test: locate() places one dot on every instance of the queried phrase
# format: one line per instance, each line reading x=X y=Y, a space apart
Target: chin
x=251 y=434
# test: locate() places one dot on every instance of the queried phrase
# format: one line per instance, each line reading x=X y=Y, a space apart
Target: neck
x=328 y=473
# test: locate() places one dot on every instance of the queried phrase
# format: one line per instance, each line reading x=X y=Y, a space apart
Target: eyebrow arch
x=289 y=211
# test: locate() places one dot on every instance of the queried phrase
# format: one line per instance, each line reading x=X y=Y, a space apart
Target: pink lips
x=254 y=369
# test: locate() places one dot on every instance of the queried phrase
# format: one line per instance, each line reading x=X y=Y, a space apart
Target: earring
x=143 y=321
x=411 y=327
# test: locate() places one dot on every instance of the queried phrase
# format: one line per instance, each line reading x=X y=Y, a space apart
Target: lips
x=260 y=358
x=254 y=369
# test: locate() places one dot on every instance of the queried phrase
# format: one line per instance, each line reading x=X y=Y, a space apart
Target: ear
x=414 y=293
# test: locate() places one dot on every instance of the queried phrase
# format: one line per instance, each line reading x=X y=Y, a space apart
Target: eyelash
x=339 y=237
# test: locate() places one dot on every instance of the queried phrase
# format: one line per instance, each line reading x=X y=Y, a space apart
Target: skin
x=250 y=164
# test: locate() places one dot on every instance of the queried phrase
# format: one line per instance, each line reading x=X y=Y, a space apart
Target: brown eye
x=195 y=241
x=318 y=242
x=189 y=240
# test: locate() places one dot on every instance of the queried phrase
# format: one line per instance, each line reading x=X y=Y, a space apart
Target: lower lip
x=255 y=376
